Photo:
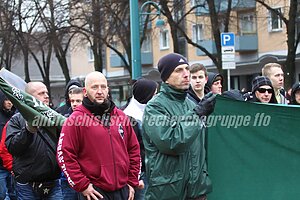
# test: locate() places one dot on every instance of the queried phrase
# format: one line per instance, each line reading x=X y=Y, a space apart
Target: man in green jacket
x=174 y=136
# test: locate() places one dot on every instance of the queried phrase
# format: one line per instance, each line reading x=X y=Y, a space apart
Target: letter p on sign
x=227 y=39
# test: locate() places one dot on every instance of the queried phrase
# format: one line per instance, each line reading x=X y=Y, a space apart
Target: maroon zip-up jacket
x=91 y=151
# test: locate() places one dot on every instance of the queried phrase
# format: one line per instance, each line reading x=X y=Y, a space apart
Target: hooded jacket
x=174 y=142
x=295 y=88
x=5 y=115
x=64 y=108
x=91 y=150
x=258 y=82
x=211 y=79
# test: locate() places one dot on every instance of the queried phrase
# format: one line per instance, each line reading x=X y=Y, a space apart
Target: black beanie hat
x=259 y=81
x=168 y=63
x=143 y=90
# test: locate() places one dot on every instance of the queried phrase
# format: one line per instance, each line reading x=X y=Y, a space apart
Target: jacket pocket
x=167 y=187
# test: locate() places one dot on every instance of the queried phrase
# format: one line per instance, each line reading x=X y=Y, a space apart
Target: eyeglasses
x=263 y=90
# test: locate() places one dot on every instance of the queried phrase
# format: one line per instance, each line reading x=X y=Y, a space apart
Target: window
x=114 y=44
x=197 y=32
x=275 y=23
x=193 y=3
x=90 y=54
x=164 y=39
x=146 y=46
x=247 y=24
x=234 y=82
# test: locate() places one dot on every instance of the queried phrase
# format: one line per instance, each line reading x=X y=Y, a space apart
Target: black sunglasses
x=263 y=90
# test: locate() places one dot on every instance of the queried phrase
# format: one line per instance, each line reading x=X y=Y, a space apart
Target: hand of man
x=131 y=192
x=141 y=184
x=31 y=129
x=91 y=194
x=207 y=105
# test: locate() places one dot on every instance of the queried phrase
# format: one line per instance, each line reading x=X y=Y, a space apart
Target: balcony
x=210 y=46
x=221 y=6
x=246 y=43
x=116 y=61
x=243 y=43
x=147 y=58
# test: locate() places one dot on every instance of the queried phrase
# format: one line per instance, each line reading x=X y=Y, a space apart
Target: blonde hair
x=266 y=70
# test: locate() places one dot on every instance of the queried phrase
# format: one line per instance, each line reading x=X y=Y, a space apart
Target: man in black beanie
x=174 y=137
x=143 y=90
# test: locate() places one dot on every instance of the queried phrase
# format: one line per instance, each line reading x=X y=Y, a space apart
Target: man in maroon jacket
x=98 y=150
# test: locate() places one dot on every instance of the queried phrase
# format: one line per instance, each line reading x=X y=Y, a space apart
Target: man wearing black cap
x=143 y=90
x=174 y=136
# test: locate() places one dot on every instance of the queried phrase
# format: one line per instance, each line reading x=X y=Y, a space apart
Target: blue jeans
x=140 y=194
x=68 y=192
x=7 y=190
x=25 y=192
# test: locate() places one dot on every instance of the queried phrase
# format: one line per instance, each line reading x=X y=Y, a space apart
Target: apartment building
x=260 y=37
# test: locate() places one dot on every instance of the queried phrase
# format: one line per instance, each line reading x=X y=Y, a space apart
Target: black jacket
x=64 y=108
x=33 y=158
x=295 y=88
x=192 y=95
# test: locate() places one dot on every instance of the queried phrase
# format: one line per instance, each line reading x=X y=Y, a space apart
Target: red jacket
x=106 y=156
x=4 y=154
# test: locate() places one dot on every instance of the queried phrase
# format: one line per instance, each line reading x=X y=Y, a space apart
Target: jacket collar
x=193 y=94
x=173 y=93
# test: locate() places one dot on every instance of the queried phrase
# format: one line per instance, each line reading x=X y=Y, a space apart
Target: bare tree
x=54 y=16
x=7 y=39
x=89 y=23
x=25 y=23
x=171 y=9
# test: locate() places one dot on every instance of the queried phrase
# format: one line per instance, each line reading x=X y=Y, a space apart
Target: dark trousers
x=121 y=194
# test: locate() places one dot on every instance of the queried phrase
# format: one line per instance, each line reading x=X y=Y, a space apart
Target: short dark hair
x=198 y=67
x=75 y=90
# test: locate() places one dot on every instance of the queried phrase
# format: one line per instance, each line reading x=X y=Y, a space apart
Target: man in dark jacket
x=174 y=136
x=35 y=167
x=295 y=94
x=198 y=81
x=64 y=109
x=214 y=83
x=6 y=112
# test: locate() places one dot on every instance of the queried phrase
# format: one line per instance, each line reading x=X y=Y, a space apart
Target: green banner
x=33 y=110
x=254 y=151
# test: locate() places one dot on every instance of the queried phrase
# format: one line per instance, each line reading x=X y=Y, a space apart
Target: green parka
x=174 y=138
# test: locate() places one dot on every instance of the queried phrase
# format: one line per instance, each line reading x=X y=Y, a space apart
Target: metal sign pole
x=228 y=79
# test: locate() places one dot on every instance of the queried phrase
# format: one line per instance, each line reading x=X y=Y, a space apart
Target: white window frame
x=164 y=39
x=250 y=23
x=197 y=32
x=279 y=21
x=90 y=53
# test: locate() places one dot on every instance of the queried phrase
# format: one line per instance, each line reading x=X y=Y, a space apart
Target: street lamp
x=135 y=34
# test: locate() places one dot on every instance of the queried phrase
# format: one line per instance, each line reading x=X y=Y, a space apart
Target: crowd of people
x=105 y=152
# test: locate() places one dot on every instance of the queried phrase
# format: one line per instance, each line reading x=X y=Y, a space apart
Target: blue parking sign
x=227 y=39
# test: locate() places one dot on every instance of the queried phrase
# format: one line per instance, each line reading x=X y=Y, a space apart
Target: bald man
x=98 y=150
x=34 y=152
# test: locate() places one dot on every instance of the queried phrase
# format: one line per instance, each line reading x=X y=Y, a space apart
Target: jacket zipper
x=113 y=155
